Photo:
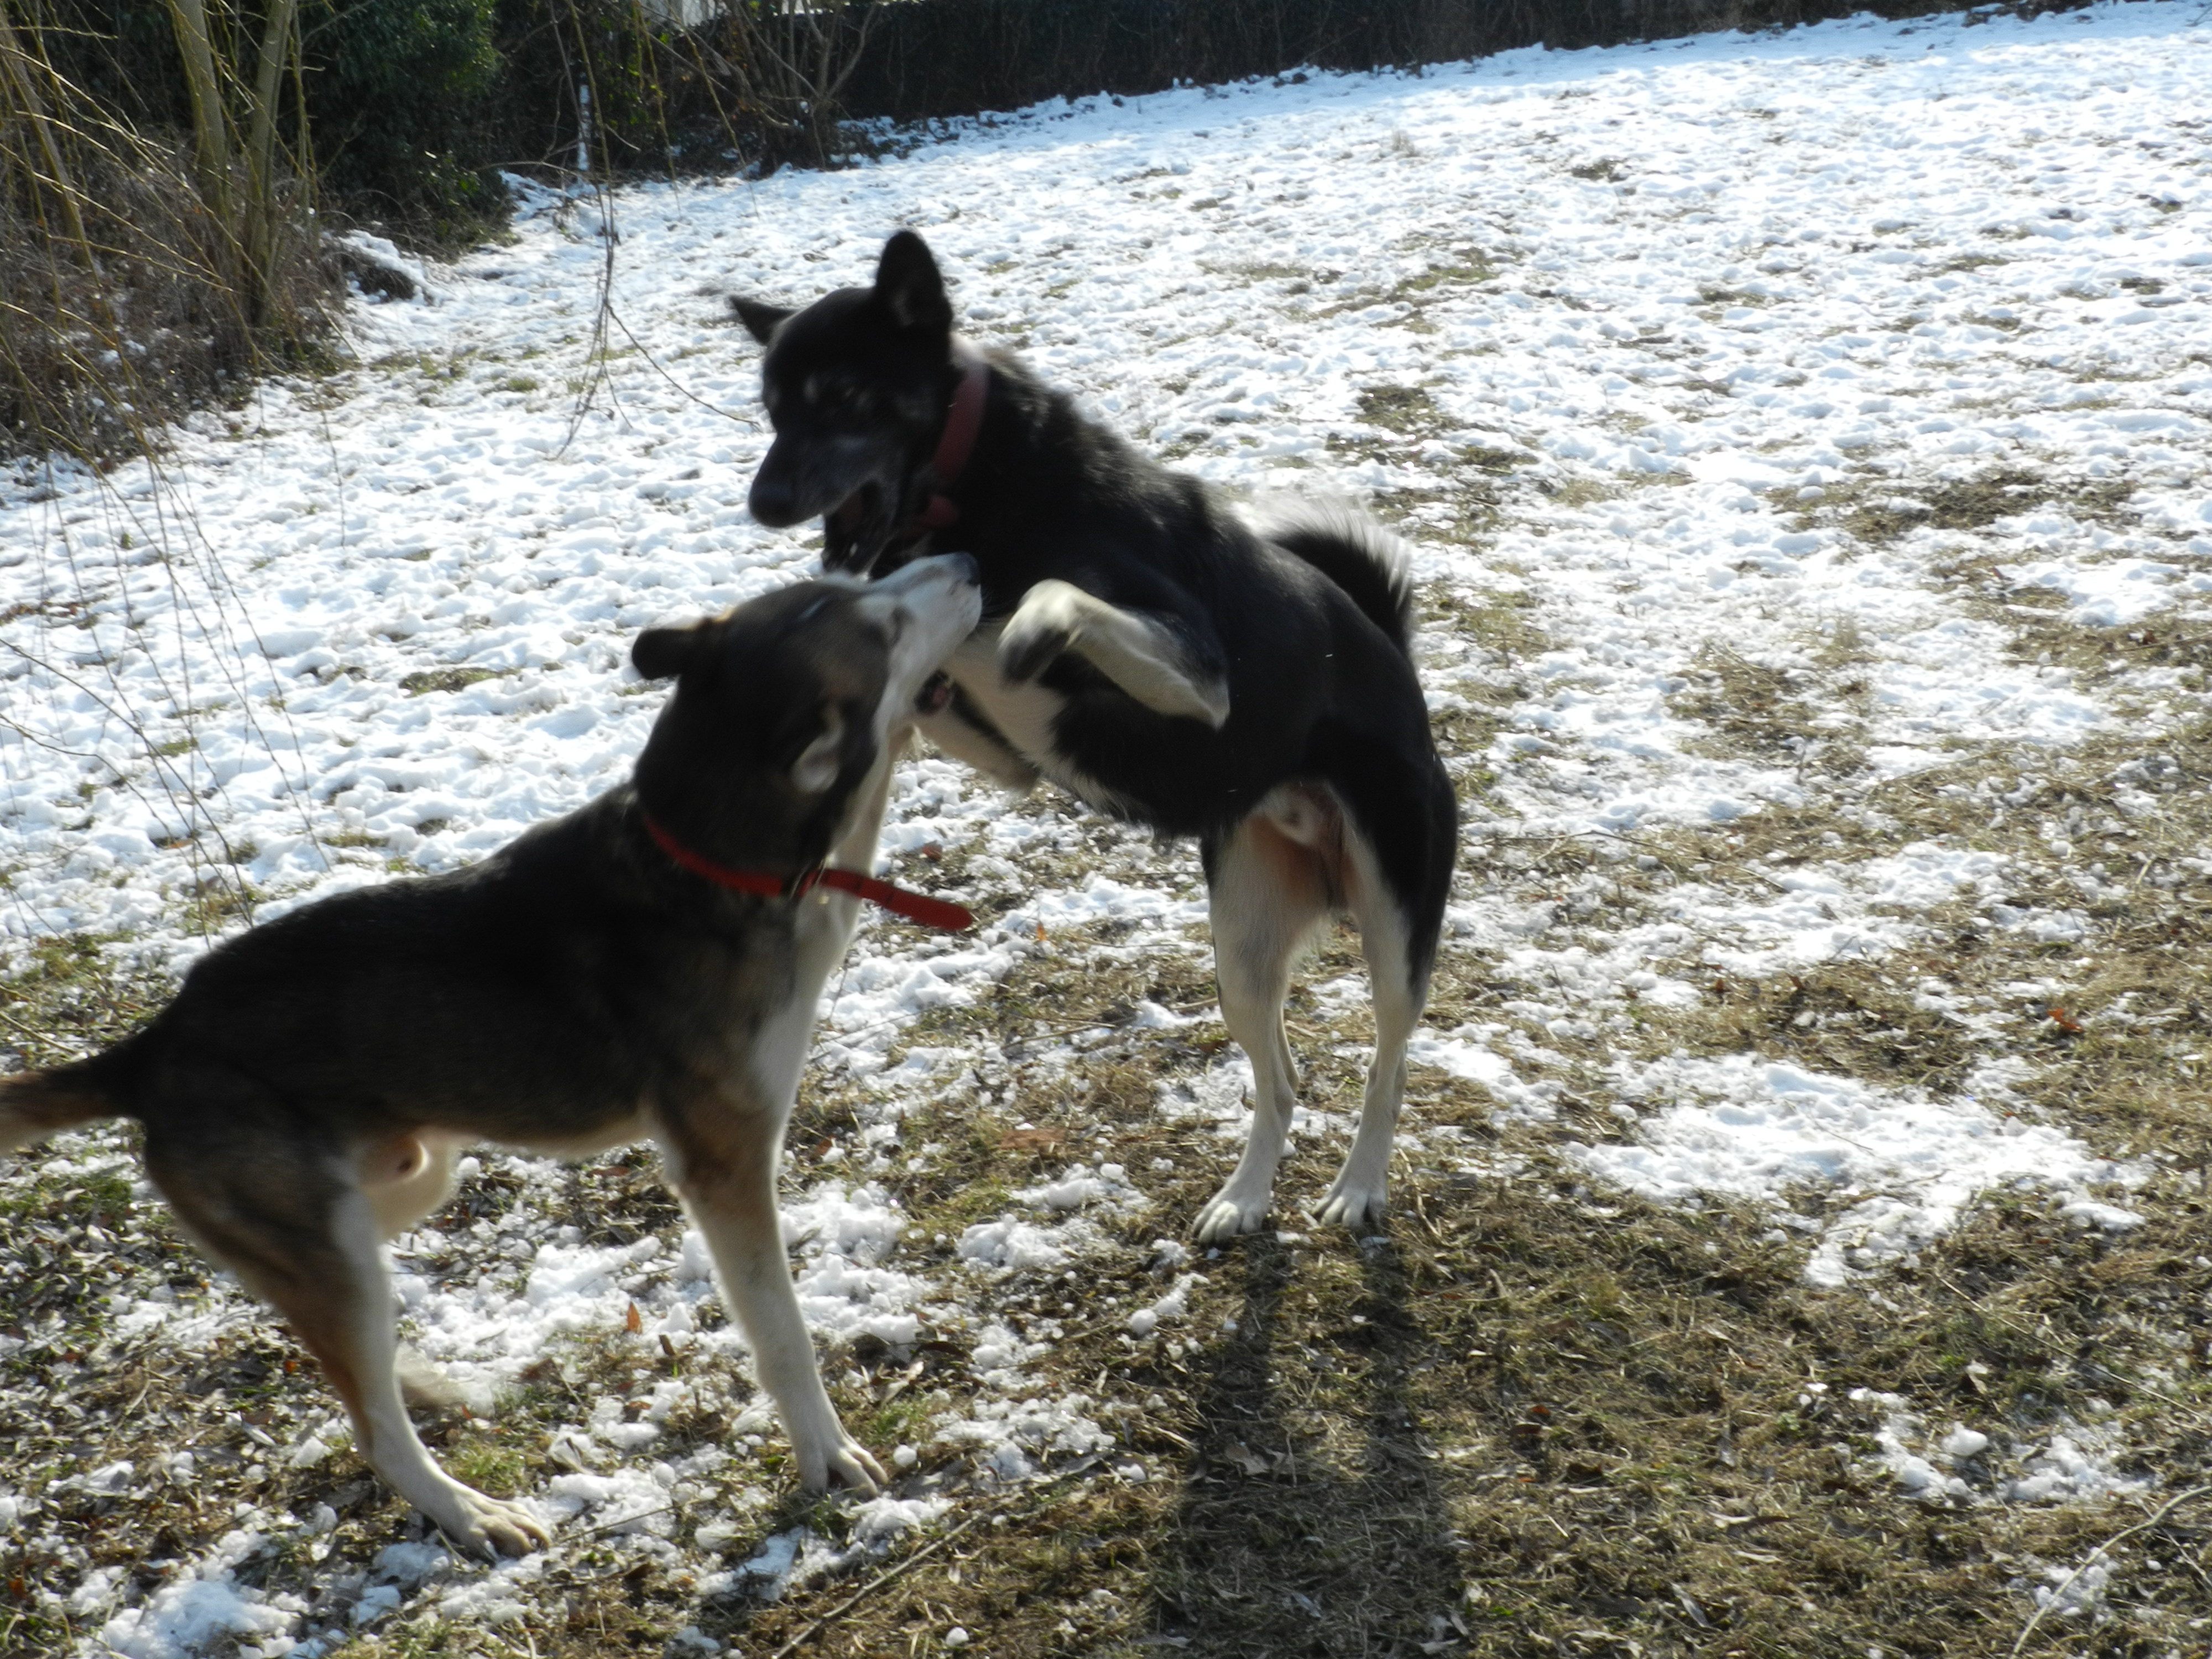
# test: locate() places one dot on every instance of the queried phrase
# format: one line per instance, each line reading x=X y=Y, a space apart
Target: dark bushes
x=933 y=57
x=394 y=90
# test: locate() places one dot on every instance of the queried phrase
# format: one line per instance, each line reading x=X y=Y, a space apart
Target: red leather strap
x=742 y=881
x=962 y=423
x=916 y=906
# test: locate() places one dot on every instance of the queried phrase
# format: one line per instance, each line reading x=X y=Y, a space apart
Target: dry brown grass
x=1770 y=714
x=1877 y=510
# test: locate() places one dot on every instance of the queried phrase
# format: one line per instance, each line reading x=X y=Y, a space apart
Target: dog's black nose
x=773 y=501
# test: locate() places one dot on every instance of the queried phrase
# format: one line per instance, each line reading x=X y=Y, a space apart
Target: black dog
x=1150 y=650
x=646 y=966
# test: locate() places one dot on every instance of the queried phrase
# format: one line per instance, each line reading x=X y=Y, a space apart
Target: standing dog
x=1152 y=652
x=647 y=965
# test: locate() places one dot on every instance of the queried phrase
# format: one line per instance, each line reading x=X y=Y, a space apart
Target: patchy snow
x=2069 y=1462
x=1708 y=297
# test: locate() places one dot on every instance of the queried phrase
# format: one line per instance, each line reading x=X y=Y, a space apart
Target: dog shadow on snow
x=1318 y=1528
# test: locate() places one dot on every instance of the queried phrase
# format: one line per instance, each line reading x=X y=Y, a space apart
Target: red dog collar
x=916 y=906
x=962 y=423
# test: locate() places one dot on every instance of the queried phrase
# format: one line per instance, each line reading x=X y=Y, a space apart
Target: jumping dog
x=1173 y=661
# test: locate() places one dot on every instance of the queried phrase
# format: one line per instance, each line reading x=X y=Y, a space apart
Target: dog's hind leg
x=1400 y=839
x=722 y=1156
x=1270 y=885
x=406 y=1179
x=284 y=1211
x=1398 y=994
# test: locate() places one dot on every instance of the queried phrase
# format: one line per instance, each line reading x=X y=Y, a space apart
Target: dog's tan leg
x=722 y=1156
x=1140 y=655
x=722 y=1150
x=1357 y=1197
x=290 y=1221
x=405 y=1180
x=1270 y=885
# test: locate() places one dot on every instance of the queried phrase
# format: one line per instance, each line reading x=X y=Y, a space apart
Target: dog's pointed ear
x=659 y=652
x=910 y=287
x=819 y=763
x=761 y=320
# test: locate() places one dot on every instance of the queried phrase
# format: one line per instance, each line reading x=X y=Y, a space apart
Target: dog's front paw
x=1357 y=1205
x=1046 y=625
x=845 y=1462
x=1026 y=654
x=1230 y=1212
x=491 y=1527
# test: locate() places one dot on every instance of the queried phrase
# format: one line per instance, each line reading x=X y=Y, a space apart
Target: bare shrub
x=140 y=274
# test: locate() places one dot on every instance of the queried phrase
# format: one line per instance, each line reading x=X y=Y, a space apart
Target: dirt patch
x=444 y=679
x=75 y=995
x=1770 y=713
x=1880 y=511
x=1531 y=1421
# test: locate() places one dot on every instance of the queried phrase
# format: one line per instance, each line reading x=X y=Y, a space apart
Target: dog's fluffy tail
x=36 y=1104
x=1358 y=555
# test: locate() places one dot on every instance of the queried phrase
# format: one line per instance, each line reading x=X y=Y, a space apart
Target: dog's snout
x=773 y=501
x=964 y=568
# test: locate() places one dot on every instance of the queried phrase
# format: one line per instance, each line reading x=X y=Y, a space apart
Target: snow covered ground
x=1772 y=355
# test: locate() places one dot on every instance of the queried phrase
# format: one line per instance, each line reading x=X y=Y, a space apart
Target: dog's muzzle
x=936 y=692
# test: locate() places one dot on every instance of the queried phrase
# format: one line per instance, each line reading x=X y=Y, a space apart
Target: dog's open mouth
x=850 y=516
x=936 y=692
x=852 y=530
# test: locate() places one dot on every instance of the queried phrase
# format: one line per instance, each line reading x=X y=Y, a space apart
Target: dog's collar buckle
x=963 y=421
x=938 y=913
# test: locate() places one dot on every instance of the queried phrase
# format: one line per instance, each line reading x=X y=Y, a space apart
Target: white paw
x=1046 y=624
x=845 y=1463
x=1357 y=1205
x=491 y=1527
x=1229 y=1214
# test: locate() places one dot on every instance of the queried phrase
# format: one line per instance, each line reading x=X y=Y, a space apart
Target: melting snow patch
x=186 y=1615
x=1925 y=1474
x=1009 y=1436
x=1020 y=1245
x=2072 y=1466
x=1174 y=1305
x=2076 y=1592
x=1756 y=1128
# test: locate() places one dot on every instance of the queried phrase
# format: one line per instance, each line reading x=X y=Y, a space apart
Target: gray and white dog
x=646 y=966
